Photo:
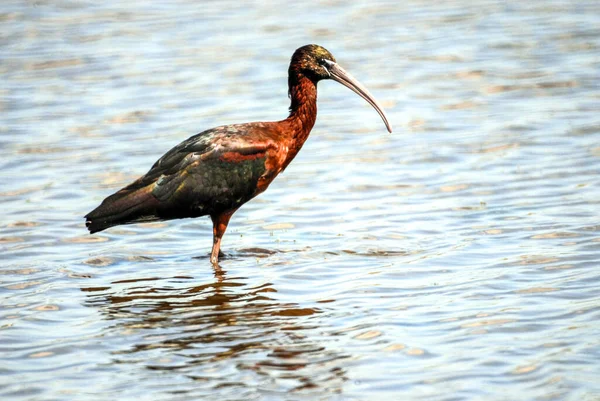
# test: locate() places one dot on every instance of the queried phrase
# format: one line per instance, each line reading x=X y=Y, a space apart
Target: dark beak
x=340 y=75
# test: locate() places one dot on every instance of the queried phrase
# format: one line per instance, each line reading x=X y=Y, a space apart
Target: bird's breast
x=275 y=163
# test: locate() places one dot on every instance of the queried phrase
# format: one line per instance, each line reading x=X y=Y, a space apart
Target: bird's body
x=217 y=171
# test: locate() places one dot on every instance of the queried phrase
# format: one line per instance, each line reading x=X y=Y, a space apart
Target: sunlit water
x=455 y=259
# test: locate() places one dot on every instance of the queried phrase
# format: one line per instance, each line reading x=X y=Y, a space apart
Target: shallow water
x=455 y=259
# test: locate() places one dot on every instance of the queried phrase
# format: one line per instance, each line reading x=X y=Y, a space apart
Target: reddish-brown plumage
x=217 y=171
x=234 y=157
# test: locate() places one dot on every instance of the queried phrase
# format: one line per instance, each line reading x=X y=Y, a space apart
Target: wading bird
x=217 y=171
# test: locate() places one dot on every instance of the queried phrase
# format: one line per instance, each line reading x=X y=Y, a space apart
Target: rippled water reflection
x=454 y=259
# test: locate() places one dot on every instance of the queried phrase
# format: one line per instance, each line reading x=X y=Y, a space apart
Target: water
x=455 y=259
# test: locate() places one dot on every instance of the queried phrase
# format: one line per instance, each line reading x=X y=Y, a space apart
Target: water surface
x=455 y=259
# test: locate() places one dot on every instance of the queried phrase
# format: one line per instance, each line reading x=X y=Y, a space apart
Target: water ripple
x=452 y=260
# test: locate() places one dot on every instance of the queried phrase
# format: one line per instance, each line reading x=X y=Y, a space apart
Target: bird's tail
x=124 y=207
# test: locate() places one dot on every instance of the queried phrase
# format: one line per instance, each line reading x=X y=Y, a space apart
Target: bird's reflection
x=224 y=325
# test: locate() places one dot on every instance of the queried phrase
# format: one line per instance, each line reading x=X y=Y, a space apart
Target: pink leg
x=220 y=222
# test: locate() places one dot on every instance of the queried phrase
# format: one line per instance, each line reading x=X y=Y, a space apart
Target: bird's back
x=217 y=170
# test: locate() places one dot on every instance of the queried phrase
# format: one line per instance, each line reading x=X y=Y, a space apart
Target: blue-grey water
x=455 y=259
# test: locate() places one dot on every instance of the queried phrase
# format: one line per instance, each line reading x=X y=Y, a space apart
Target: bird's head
x=317 y=63
x=311 y=61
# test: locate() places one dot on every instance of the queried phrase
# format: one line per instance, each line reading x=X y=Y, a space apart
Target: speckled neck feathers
x=303 y=107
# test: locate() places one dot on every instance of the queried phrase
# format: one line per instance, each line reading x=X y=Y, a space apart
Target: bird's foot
x=214 y=259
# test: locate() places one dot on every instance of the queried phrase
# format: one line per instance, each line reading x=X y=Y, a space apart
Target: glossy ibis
x=217 y=171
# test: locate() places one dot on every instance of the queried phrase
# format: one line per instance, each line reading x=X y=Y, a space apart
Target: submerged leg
x=220 y=222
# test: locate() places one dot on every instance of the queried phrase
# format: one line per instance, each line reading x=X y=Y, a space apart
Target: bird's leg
x=220 y=222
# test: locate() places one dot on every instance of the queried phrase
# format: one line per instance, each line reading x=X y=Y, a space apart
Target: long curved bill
x=340 y=75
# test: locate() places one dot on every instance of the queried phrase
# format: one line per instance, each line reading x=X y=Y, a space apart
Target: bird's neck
x=303 y=110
